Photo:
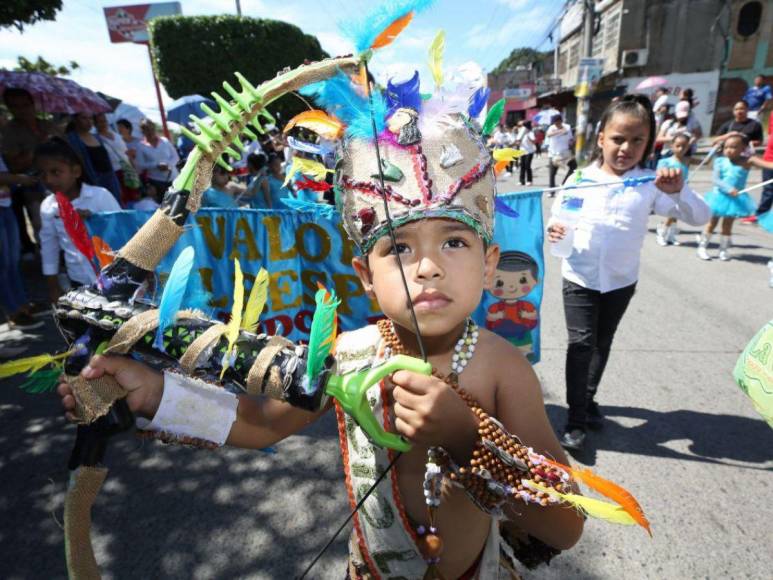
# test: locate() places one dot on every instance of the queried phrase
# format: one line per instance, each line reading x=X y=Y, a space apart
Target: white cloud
x=334 y=44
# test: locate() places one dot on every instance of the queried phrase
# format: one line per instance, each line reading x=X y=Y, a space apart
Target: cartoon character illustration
x=512 y=318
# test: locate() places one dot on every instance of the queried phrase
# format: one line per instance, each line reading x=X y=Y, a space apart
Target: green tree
x=19 y=13
x=43 y=66
x=195 y=54
x=520 y=56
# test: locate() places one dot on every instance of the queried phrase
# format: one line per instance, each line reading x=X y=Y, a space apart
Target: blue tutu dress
x=728 y=176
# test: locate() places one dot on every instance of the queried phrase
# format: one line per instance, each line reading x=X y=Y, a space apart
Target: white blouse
x=613 y=223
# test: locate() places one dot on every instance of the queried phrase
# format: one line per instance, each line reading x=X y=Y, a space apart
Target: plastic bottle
x=568 y=215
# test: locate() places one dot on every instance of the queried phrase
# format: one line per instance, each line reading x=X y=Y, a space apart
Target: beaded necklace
x=497 y=455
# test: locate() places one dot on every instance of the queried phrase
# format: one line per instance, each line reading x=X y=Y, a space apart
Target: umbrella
x=184 y=107
x=54 y=94
x=651 y=83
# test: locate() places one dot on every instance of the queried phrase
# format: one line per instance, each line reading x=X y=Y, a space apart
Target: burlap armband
x=273 y=384
x=85 y=483
x=152 y=242
x=94 y=397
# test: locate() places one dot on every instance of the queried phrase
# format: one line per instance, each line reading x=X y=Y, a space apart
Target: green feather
x=324 y=326
x=492 y=117
x=41 y=381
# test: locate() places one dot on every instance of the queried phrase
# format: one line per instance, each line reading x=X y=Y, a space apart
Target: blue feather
x=404 y=94
x=196 y=296
x=363 y=31
x=478 y=101
x=174 y=290
x=501 y=207
x=324 y=210
x=338 y=97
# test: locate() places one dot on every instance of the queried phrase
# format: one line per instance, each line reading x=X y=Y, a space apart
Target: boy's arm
x=521 y=409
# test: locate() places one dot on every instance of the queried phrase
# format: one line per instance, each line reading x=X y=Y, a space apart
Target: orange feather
x=318 y=121
x=500 y=166
x=103 y=251
x=608 y=489
x=391 y=31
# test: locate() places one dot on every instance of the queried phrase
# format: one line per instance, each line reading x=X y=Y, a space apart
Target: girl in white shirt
x=601 y=273
x=61 y=171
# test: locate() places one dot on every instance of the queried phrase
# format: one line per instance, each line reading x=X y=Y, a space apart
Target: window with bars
x=611 y=27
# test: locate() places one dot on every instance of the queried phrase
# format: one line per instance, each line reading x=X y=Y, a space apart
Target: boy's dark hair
x=126 y=124
x=16 y=92
x=517 y=262
x=59 y=149
x=637 y=105
x=555 y=118
x=257 y=161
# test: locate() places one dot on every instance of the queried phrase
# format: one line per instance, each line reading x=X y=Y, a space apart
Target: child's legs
x=711 y=226
x=727 y=226
x=552 y=169
x=527 y=159
x=613 y=306
x=581 y=310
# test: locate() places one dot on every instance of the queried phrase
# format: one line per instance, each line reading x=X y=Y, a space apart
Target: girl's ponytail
x=638 y=106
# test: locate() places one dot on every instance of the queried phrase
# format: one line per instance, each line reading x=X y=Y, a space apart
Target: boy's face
x=512 y=285
x=446 y=267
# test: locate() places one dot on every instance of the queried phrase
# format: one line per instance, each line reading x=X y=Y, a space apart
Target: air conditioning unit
x=637 y=57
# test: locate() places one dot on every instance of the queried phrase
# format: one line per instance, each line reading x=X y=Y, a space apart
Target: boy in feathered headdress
x=440 y=509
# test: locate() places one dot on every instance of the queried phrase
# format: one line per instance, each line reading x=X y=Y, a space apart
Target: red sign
x=130 y=23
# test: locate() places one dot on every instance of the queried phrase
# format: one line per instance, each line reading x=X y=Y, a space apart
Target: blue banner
x=300 y=249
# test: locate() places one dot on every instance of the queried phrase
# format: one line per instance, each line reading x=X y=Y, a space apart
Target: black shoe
x=573 y=439
x=594 y=417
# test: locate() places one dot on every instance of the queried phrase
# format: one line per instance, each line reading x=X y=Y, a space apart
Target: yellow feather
x=256 y=301
x=436 y=57
x=595 y=508
x=30 y=364
x=507 y=154
x=313 y=169
x=232 y=330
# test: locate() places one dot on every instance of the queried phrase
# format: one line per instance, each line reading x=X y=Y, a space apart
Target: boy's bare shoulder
x=507 y=361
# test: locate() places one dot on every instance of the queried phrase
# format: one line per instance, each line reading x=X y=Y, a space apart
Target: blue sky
x=483 y=31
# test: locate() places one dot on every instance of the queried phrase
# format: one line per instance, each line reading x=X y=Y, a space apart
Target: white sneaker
x=670 y=236
x=660 y=232
x=703 y=253
x=724 y=256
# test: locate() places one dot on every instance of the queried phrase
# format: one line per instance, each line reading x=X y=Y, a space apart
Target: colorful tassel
x=43 y=381
x=324 y=210
x=478 y=101
x=324 y=327
x=103 y=251
x=493 y=117
x=507 y=154
x=318 y=121
x=380 y=26
x=232 y=330
x=308 y=167
x=31 y=364
x=404 y=94
x=75 y=228
x=595 y=508
x=608 y=489
x=174 y=291
x=309 y=184
x=436 y=57
x=255 y=302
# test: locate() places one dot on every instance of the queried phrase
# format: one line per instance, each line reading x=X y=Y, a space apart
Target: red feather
x=307 y=183
x=75 y=228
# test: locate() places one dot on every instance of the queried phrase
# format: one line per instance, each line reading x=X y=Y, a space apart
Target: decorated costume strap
x=192 y=408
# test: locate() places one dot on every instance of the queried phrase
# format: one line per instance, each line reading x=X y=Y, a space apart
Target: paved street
x=680 y=435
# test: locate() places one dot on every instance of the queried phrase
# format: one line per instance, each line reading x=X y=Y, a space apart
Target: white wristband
x=193 y=408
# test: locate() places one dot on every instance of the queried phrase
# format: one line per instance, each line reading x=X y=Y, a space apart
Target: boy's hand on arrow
x=144 y=385
x=429 y=412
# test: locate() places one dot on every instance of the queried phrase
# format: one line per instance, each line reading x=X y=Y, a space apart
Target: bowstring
x=414 y=321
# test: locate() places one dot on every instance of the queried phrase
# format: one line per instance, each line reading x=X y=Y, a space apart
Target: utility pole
x=238 y=8
x=583 y=100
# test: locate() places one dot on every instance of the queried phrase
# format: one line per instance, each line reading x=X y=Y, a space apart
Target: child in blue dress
x=680 y=159
x=730 y=174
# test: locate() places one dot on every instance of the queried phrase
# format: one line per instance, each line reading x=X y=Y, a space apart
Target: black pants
x=591 y=321
x=526 y=175
x=766 y=199
x=571 y=164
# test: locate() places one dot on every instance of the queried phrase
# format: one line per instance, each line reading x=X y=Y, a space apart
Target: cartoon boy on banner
x=512 y=317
